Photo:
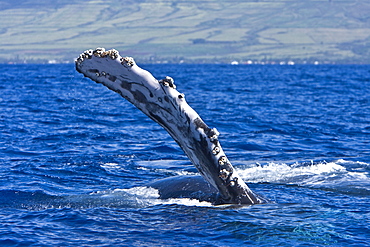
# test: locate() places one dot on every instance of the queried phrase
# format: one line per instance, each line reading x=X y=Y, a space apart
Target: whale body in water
x=160 y=100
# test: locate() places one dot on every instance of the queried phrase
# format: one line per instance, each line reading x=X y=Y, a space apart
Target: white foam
x=145 y=196
x=172 y=172
x=151 y=197
x=185 y=202
x=339 y=175
x=296 y=173
x=109 y=166
x=165 y=167
x=139 y=192
x=342 y=161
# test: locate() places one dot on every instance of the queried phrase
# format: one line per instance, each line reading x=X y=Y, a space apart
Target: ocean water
x=75 y=158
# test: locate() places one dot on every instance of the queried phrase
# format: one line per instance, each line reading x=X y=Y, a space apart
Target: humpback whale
x=160 y=100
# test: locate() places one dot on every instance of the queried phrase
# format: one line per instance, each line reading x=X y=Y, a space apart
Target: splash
x=142 y=197
x=343 y=176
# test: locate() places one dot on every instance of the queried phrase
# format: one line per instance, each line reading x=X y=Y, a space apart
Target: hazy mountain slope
x=205 y=30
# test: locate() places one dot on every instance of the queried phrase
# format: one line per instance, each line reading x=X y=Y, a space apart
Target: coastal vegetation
x=208 y=31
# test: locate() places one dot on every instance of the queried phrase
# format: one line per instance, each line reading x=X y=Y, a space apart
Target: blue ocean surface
x=75 y=158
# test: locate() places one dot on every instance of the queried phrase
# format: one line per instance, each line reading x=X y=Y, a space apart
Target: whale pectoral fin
x=165 y=105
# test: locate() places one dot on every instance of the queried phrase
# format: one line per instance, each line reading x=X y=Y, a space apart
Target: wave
x=136 y=197
x=150 y=196
x=347 y=177
x=341 y=175
x=350 y=177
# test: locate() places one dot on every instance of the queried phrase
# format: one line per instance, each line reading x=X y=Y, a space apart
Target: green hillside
x=191 y=31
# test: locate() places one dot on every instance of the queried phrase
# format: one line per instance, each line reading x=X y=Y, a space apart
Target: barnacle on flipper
x=168 y=82
x=88 y=53
x=98 y=52
x=114 y=54
x=127 y=61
